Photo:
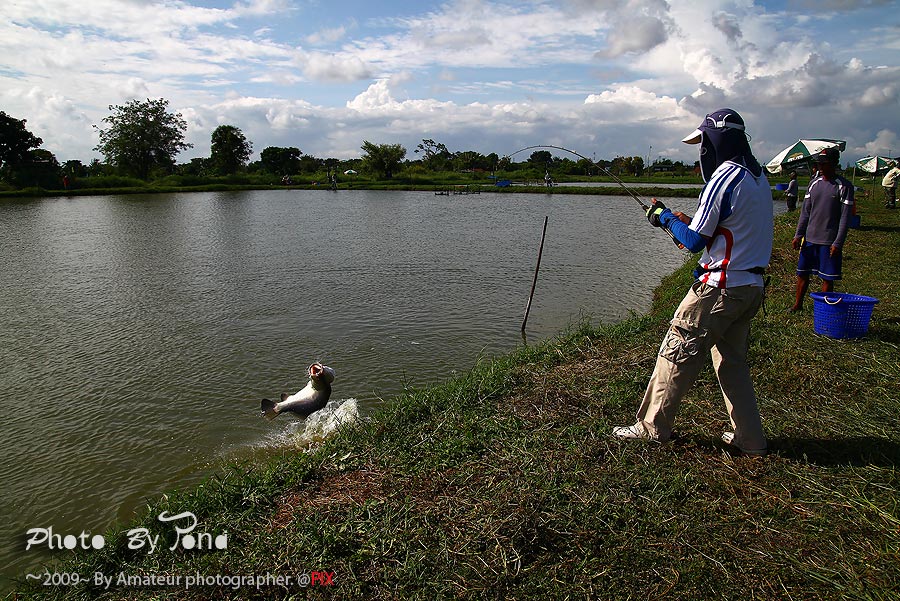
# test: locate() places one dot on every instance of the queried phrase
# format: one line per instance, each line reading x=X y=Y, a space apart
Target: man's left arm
x=675 y=223
x=847 y=201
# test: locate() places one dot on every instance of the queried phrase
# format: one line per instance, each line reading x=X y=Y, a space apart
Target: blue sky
x=601 y=77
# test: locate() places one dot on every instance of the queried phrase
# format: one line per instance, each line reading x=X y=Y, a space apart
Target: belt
x=701 y=270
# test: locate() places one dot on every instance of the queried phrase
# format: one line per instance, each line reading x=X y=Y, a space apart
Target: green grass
x=505 y=482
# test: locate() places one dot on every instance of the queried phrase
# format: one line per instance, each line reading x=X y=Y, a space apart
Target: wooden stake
x=536 y=269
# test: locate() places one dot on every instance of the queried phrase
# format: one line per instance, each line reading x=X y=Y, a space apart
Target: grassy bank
x=505 y=483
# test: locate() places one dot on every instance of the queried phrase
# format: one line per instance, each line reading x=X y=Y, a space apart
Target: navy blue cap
x=828 y=155
x=720 y=120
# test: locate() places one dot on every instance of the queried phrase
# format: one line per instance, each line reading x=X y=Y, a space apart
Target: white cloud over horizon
x=598 y=76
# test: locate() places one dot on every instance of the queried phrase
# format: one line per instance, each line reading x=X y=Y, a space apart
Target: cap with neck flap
x=722 y=138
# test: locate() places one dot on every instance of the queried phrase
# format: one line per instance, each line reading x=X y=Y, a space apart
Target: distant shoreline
x=641 y=189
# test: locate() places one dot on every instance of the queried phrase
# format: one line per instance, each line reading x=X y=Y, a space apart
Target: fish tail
x=267 y=409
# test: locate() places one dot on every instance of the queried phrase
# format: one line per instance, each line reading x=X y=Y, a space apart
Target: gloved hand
x=655 y=212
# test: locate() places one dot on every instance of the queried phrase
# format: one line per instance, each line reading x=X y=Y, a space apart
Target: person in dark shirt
x=822 y=227
x=790 y=195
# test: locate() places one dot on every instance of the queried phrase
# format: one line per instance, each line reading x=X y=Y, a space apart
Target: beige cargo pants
x=717 y=321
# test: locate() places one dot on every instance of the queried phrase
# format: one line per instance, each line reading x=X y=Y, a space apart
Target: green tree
x=281 y=161
x=383 y=159
x=540 y=159
x=491 y=161
x=310 y=164
x=98 y=169
x=637 y=164
x=142 y=137
x=628 y=165
x=38 y=168
x=230 y=150
x=435 y=155
x=75 y=168
x=16 y=144
x=196 y=167
x=469 y=159
x=585 y=167
x=662 y=166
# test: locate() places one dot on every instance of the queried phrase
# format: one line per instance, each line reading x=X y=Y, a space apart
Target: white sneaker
x=728 y=438
x=634 y=431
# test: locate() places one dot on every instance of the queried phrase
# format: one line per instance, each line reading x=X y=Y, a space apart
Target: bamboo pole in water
x=536 y=269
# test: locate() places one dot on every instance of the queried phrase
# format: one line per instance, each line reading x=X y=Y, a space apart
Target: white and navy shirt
x=736 y=216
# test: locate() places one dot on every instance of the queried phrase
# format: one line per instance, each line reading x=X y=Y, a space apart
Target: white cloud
x=473 y=33
x=640 y=103
x=606 y=76
x=886 y=143
x=334 y=68
x=65 y=129
x=376 y=98
x=642 y=34
x=261 y=7
x=134 y=87
x=327 y=36
x=878 y=96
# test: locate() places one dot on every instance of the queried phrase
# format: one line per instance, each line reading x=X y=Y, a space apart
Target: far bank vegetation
x=141 y=140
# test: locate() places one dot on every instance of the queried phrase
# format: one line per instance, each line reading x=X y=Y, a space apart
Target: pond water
x=141 y=332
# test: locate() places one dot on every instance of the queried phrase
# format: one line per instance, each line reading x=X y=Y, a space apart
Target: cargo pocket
x=683 y=342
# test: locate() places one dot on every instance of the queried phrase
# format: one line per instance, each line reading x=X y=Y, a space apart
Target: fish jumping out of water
x=309 y=400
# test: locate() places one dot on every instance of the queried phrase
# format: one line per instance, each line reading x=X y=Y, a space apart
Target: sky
x=604 y=78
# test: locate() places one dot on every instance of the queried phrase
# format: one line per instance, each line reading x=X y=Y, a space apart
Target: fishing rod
x=614 y=177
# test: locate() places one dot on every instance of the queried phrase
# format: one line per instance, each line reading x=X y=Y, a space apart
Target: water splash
x=322 y=424
x=317 y=427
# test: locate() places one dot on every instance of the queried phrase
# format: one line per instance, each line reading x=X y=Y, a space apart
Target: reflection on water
x=140 y=333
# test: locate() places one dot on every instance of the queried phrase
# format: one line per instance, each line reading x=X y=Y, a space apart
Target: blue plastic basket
x=841 y=315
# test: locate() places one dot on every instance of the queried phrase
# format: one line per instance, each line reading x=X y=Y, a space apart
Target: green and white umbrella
x=875 y=164
x=800 y=152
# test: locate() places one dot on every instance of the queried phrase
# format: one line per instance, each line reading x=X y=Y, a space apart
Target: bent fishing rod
x=614 y=177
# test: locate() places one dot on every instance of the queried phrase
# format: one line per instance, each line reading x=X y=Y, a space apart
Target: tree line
x=141 y=139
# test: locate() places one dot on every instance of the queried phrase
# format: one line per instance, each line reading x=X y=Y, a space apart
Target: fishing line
x=614 y=177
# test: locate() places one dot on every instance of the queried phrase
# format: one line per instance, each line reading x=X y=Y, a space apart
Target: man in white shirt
x=889 y=183
x=734 y=226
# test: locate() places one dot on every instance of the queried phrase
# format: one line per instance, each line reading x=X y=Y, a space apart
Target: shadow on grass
x=879 y=228
x=857 y=451
x=885 y=332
